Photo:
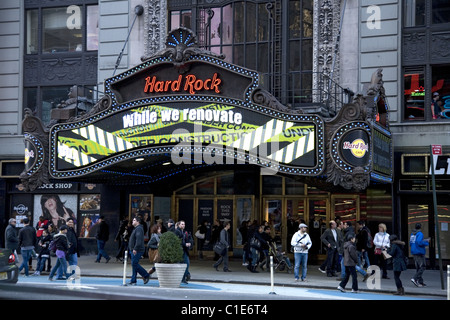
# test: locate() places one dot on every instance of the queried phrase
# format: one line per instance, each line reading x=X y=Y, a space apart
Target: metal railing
x=314 y=92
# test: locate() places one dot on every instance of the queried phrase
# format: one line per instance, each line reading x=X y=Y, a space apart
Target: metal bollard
x=271 y=276
x=125 y=268
x=448 y=282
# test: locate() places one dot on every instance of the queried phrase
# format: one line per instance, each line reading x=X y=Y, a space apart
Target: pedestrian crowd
x=347 y=250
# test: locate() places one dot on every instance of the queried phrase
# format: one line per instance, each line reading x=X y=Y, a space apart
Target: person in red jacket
x=41 y=226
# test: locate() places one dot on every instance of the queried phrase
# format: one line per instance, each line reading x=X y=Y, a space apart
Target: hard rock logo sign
x=358 y=147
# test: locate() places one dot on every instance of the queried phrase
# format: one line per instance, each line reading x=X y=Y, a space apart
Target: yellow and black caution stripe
x=104 y=138
x=294 y=150
x=73 y=156
x=261 y=134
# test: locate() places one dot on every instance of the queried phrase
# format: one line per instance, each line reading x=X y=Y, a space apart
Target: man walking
x=11 y=239
x=137 y=248
x=331 y=239
x=27 y=242
x=102 y=236
x=186 y=242
x=418 y=244
x=225 y=240
x=72 y=253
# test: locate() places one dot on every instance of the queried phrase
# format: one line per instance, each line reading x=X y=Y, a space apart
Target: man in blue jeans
x=137 y=248
x=301 y=242
x=102 y=236
x=27 y=242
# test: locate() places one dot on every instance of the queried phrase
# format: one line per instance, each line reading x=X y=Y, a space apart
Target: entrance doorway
x=420 y=210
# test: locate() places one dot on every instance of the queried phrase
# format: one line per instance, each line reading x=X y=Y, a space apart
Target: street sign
x=436 y=149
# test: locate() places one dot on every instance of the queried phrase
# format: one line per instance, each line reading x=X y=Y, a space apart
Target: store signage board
x=203 y=105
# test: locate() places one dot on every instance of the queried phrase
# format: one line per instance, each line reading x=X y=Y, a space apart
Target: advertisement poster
x=56 y=208
x=89 y=214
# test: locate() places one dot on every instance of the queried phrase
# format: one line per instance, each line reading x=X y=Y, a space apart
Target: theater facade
x=188 y=136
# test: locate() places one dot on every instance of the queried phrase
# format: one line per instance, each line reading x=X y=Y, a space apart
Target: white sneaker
x=355 y=291
x=341 y=289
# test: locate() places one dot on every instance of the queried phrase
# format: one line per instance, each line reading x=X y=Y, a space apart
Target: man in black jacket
x=102 y=236
x=363 y=244
x=27 y=242
x=137 y=248
x=11 y=239
x=331 y=239
x=187 y=243
x=72 y=253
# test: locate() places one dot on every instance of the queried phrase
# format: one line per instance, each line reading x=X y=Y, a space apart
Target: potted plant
x=171 y=268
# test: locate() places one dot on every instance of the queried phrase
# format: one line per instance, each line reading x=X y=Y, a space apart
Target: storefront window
x=62 y=29
x=414 y=13
x=206 y=187
x=225 y=184
x=441 y=11
x=272 y=185
x=414 y=95
x=294 y=187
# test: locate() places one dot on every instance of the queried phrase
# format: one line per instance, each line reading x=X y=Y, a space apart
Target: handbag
x=386 y=255
x=153 y=255
x=219 y=248
x=199 y=235
x=377 y=251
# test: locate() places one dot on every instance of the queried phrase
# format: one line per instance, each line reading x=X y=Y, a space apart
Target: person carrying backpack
x=364 y=242
x=62 y=246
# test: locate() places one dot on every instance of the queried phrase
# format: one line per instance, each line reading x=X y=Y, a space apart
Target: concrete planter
x=170 y=274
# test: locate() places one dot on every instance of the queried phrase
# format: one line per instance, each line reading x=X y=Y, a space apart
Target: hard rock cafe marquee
x=188 y=107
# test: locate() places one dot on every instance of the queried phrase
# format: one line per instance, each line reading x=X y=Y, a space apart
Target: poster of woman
x=56 y=209
x=89 y=211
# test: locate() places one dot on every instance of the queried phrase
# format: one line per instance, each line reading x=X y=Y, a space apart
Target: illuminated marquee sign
x=198 y=105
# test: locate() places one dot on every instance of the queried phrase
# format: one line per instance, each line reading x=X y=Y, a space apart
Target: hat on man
x=63 y=227
x=302 y=225
x=170 y=221
x=435 y=94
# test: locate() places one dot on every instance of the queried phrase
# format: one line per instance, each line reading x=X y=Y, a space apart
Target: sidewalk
x=203 y=271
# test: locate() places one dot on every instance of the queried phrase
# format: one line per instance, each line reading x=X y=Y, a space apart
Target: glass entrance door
x=295 y=214
x=318 y=213
x=345 y=208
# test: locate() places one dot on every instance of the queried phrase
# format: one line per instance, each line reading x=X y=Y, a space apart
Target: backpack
x=369 y=239
x=52 y=246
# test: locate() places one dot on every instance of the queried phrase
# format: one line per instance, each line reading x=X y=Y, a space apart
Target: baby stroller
x=281 y=261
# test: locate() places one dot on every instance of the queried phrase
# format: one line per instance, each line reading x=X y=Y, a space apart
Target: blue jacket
x=417 y=243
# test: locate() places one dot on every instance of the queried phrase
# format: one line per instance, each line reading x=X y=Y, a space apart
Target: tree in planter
x=170 y=250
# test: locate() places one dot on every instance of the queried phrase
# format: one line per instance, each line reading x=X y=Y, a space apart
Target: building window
x=441 y=91
x=180 y=18
x=441 y=11
x=41 y=100
x=71 y=28
x=414 y=13
x=414 y=95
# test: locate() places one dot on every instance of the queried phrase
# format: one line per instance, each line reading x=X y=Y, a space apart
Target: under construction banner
x=186 y=123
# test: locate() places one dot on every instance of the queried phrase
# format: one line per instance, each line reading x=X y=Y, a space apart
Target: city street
x=105 y=281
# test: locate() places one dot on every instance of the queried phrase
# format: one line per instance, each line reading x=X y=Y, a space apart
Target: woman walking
x=398 y=262
x=382 y=243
